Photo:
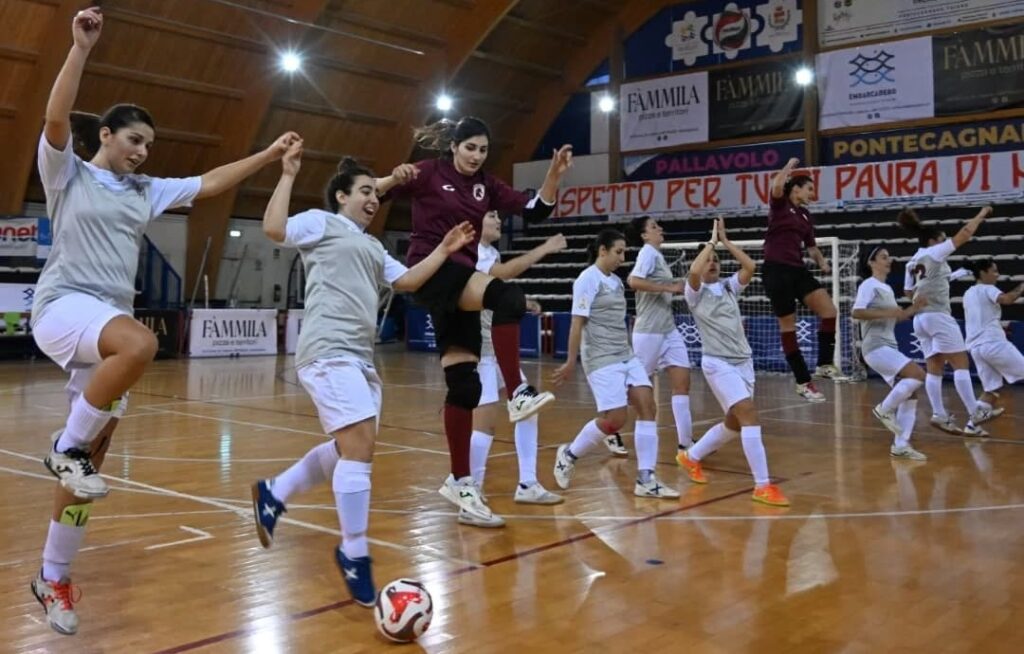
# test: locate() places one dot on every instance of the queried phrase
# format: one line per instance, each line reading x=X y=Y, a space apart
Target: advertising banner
x=166 y=324
x=662 y=112
x=743 y=158
x=979 y=70
x=761 y=98
x=19 y=237
x=964 y=138
x=232 y=332
x=292 y=329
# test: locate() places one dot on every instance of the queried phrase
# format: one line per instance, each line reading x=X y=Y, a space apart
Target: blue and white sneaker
x=266 y=509
x=358 y=576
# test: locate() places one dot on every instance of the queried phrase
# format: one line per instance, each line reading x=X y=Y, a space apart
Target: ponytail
x=635 y=231
x=441 y=135
x=85 y=134
x=348 y=170
x=911 y=223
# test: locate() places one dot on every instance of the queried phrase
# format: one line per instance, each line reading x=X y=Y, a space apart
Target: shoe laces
x=617 y=438
x=83 y=459
x=528 y=391
x=66 y=593
x=770 y=491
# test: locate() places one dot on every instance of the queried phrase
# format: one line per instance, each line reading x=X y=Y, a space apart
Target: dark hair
x=348 y=170
x=911 y=224
x=865 y=266
x=635 y=230
x=85 y=127
x=605 y=239
x=978 y=266
x=796 y=181
x=440 y=136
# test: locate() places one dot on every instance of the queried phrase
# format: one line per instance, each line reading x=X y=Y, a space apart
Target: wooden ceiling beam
x=327 y=111
x=518 y=64
x=18 y=54
x=165 y=81
x=546 y=29
x=385 y=28
x=501 y=101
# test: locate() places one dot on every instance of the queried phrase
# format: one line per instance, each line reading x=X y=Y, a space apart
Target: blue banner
x=420 y=335
x=697 y=163
x=710 y=32
x=966 y=138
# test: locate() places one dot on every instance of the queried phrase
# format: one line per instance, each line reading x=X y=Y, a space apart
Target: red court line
x=247 y=630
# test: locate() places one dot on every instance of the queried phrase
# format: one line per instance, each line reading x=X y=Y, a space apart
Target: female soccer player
x=994 y=355
x=345 y=269
x=787 y=279
x=876 y=307
x=446 y=190
x=615 y=376
x=927 y=275
x=82 y=311
x=727 y=365
x=485 y=416
x=656 y=340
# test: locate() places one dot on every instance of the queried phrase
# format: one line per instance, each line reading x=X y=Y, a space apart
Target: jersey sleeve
x=941 y=251
x=170 y=192
x=305 y=229
x=865 y=293
x=486 y=258
x=56 y=167
x=506 y=199
x=644 y=265
x=735 y=285
x=692 y=296
x=414 y=186
x=992 y=293
x=584 y=290
x=393 y=269
x=909 y=282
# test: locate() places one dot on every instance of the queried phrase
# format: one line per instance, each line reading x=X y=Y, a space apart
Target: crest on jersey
x=478 y=192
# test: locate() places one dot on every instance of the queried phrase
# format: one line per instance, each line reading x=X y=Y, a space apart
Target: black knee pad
x=463 y=385
x=506 y=301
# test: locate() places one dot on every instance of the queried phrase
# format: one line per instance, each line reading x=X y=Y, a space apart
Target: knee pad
x=75 y=515
x=464 y=386
x=506 y=301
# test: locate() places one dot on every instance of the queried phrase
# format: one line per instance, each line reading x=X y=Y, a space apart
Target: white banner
x=19 y=237
x=964 y=179
x=662 y=112
x=292 y=330
x=850 y=21
x=16 y=297
x=227 y=332
x=876 y=84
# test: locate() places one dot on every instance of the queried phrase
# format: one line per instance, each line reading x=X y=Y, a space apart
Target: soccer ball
x=404 y=610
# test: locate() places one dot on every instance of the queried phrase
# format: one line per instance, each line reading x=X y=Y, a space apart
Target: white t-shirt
x=601 y=298
x=306 y=229
x=982 y=313
x=486 y=257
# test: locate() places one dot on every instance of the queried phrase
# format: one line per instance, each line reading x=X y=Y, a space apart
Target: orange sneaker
x=769 y=494
x=692 y=468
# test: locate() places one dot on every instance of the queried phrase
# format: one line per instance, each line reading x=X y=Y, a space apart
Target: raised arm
x=85 y=29
x=400 y=175
x=1009 y=297
x=275 y=217
x=779 y=181
x=514 y=267
x=970 y=227
x=700 y=262
x=747 y=265
x=561 y=162
x=647 y=286
x=229 y=175
x=457 y=238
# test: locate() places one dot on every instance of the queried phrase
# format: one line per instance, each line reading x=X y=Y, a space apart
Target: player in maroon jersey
x=446 y=191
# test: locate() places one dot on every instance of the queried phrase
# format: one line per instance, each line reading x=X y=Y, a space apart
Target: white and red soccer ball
x=403 y=611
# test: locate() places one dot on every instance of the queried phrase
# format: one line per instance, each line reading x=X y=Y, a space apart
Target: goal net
x=762 y=328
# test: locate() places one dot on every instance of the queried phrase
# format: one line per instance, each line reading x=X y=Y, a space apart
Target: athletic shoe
x=56 y=598
x=536 y=494
x=358 y=576
x=887 y=419
x=76 y=473
x=906 y=452
x=946 y=424
x=526 y=401
x=971 y=429
x=615 y=446
x=266 y=509
x=769 y=494
x=654 y=488
x=465 y=494
x=983 y=415
x=565 y=467
x=693 y=468
x=809 y=392
x=828 y=371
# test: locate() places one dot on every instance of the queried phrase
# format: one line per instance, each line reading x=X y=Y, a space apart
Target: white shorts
x=730 y=382
x=344 y=391
x=887 y=362
x=491 y=380
x=938 y=333
x=659 y=351
x=610 y=384
x=996 y=361
x=76 y=386
x=69 y=330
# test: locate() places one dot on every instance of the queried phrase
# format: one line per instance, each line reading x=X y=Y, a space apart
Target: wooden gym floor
x=874 y=555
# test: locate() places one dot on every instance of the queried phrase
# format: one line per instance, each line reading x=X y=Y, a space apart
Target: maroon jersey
x=442 y=197
x=790 y=228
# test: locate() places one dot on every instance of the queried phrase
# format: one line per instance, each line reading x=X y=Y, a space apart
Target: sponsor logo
x=732 y=29
x=872 y=70
x=478 y=192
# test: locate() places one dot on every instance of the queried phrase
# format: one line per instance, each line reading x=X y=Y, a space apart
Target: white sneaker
x=971 y=429
x=946 y=424
x=983 y=415
x=526 y=401
x=55 y=596
x=809 y=392
x=536 y=494
x=906 y=452
x=829 y=371
x=76 y=473
x=615 y=446
x=565 y=467
x=465 y=494
x=654 y=488
x=887 y=419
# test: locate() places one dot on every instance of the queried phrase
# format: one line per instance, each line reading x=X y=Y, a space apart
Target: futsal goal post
x=761 y=326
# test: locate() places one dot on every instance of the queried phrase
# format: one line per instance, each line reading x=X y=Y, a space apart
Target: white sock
x=906 y=414
x=313 y=469
x=684 y=423
x=933 y=387
x=84 y=423
x=753 y=449
x=588 y=438
x=711 y=441
x=965 y=389
x=645 y=436
x=903 y=389
x=526 y=450
x=352 y=499
x=62 y=544
x=479 y=448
